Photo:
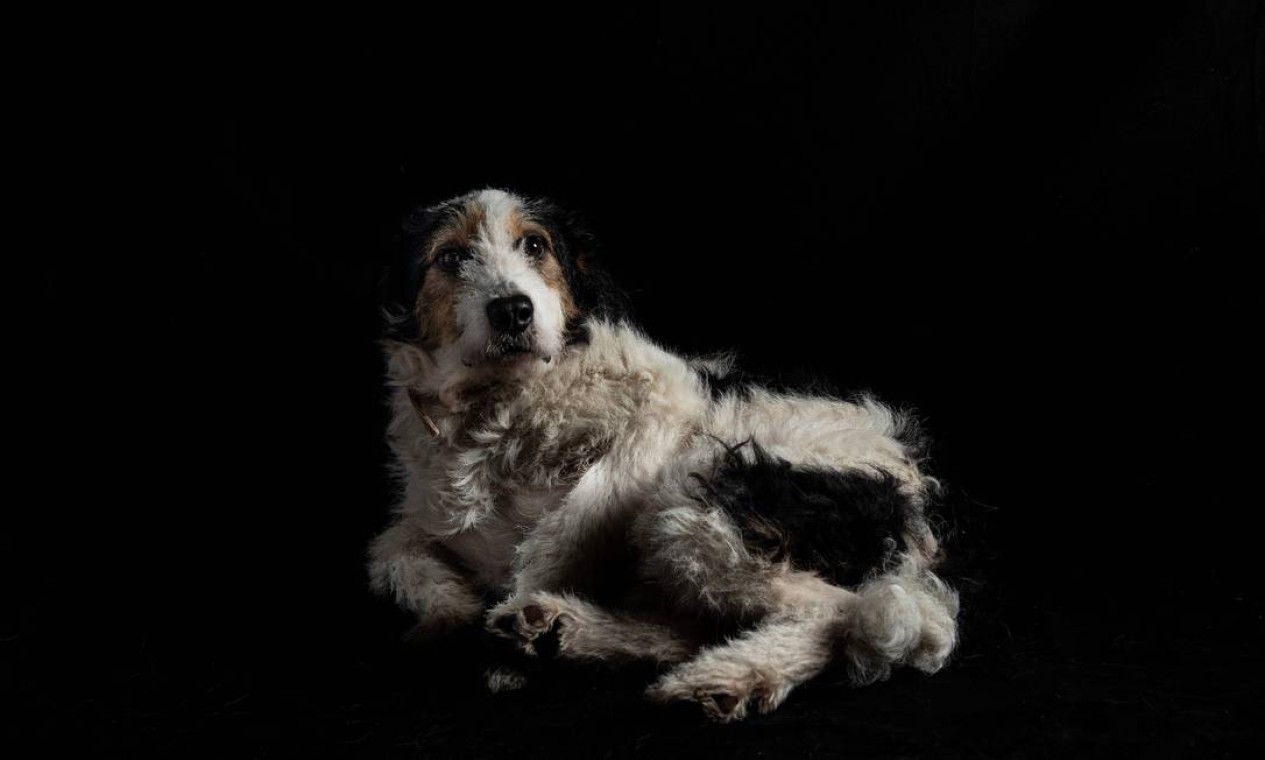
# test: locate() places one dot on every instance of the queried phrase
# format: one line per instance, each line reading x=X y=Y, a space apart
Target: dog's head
x=490 y=283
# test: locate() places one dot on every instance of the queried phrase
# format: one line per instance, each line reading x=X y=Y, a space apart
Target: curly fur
x=623 y=502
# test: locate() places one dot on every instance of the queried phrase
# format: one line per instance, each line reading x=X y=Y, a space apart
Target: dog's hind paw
x=726 y=693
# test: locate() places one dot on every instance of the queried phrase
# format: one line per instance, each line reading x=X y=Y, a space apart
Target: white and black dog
x=577 y=488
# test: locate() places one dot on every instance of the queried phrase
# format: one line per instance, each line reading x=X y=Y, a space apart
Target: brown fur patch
x=462 y=231
x=551 y=272
x=515 y=225
x=437 y=298
x=437 y=310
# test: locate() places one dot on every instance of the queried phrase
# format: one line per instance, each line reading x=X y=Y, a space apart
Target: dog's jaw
x=508 y=353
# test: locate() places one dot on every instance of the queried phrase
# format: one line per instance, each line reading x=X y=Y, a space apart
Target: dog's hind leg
x=565 y=626
x=801 y=623
x=755 y=671
x=697 y=556
x=894 y=619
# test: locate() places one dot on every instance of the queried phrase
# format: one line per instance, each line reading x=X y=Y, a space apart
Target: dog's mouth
x=507 y=349
x=508 y=346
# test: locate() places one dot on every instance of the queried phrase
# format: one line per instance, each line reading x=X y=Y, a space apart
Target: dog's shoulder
x=621 y=369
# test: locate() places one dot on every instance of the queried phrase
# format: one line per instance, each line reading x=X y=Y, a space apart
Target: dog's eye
x=451 y=259
x=534 y=246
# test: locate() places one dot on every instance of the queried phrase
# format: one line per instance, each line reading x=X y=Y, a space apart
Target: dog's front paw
x=528 y=620
x=504 y=678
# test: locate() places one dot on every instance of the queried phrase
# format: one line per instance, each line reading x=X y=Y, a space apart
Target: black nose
x=510 y=315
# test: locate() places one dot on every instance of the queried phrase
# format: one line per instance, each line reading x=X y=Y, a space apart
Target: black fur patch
x=845 y=526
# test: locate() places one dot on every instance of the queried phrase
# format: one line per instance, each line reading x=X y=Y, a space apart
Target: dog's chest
x=488 y=549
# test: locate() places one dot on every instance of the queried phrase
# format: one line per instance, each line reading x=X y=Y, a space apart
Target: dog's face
x=493 y=282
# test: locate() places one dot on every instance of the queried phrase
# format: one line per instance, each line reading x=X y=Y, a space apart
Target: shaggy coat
x=582 y=491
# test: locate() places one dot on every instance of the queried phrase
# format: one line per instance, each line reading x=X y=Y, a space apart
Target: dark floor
x=1013 y=691
x=1033 y=221
x=1114 y=666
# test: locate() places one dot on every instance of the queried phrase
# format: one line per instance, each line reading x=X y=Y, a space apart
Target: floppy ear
x=592 y=289
x=401 y=279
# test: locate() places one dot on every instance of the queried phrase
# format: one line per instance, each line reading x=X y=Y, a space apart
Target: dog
x=575 y=488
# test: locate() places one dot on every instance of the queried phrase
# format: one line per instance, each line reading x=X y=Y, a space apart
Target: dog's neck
x=444 y=414
x=419 y=403
x=447 y=397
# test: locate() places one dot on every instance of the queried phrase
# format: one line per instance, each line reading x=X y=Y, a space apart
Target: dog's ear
x=402 y=274
x=592 y=288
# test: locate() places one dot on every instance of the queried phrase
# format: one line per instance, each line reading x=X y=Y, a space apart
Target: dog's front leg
x=566 y=626
x=562 y=548
x=403 y=562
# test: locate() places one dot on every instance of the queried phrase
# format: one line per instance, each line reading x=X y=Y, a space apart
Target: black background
x=1031 y=221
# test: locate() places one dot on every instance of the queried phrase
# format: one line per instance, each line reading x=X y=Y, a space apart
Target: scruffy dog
x=584 y=492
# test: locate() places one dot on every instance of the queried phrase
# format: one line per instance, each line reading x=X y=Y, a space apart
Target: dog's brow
x=462 y=230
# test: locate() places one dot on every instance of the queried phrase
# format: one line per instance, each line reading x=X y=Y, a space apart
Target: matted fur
x=622 y=504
